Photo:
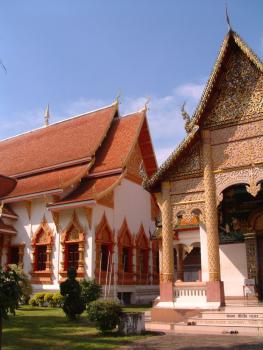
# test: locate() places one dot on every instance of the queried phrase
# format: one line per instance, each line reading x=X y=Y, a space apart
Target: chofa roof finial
x=186 y=118
x=47 y=116
x=228 y=20
x=146 y=104
x=117 y=99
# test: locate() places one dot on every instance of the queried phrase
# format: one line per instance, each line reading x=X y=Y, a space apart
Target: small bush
x=57 y=300
x=48 y=298
x=33 y=302
x=24 y=283
x=39 y=297
x=90 y=291
x=104 y=313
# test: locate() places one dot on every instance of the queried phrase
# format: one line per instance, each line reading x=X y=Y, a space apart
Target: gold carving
x=191 y=164
x=240 y=92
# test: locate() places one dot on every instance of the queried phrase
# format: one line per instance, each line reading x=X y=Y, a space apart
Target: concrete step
x=226 y=322
x=203 y=329
x=231 y=315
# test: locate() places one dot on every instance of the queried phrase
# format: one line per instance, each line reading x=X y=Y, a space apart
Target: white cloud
x=164 y=116
x=190 y=91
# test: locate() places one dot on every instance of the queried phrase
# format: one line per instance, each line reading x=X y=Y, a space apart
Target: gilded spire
x=47 y=116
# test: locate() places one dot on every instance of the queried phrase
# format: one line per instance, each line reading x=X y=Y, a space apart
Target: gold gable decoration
x=240 y=92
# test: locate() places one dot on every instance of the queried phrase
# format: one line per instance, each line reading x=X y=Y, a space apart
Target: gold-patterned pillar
x=167 y=273
x=215 y=290
x=180 y=262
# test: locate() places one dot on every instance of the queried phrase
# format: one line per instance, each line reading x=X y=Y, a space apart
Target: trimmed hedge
x=105 y=314
x=47 y=299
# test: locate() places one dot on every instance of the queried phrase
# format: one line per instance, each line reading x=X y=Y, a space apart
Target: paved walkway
x=198 y=342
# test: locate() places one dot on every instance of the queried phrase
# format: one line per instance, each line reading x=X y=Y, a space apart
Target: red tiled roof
x=61 y=142
x=7 y=229
x=119 y=142
x=113 y=155
x=6 y=185
x=90 y=189
x=52 y=180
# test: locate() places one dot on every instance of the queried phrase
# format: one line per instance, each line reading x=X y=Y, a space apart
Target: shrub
x=104 y=313
x=32 y=301
x=57 y=300
x=10 y=293
x=48 y=298
x=39 y=298
x=90 y=291
x=24 y=283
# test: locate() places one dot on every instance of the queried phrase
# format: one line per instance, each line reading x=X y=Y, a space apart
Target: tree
x=24 y=283
x=73 y=304
x=10 y=294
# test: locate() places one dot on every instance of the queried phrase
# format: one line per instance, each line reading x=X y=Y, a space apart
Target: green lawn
x=44 y=328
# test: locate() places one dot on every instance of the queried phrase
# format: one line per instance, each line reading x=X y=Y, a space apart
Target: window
x=41 y=257
x=104 y=257
x=73 y=255
x=126 y=259
x=13 y=257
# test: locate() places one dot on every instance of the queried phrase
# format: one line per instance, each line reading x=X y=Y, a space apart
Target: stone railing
x=190 y=293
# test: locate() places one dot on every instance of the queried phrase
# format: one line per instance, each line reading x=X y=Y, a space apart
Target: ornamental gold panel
x=189 y=164
x=238 y=153
x=237 y=132
x=195 y=184
x=239 y=93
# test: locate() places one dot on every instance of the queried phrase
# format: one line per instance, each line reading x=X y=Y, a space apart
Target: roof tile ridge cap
x=252 y=56
x=136 y=138
x=136 y=113
x=115 y=112
x=172 y=158
x=211 y=80
x=58 y=122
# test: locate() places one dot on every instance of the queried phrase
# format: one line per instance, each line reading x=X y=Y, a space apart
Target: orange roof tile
x=119 y=142
x=52 y=180
x=90 y=189
x=66 y=141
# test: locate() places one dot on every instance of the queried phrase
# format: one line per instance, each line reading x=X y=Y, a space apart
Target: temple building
x=210 y=192
x=74 y=198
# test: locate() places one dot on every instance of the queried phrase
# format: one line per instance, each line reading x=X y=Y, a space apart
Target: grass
x=46 y=328
x=136 y=308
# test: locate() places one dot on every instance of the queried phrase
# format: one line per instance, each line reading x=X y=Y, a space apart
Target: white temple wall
x=233 y=263
x=133 y=203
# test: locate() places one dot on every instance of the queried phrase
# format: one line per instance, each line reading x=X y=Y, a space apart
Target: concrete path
x=198 y=342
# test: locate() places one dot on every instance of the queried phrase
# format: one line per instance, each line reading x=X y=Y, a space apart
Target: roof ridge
x=132 y=113
x=59 y=122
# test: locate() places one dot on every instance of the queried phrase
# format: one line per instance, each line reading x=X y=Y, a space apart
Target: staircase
x=233 y=319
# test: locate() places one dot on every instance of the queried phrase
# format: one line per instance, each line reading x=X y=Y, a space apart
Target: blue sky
x=77 y=55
